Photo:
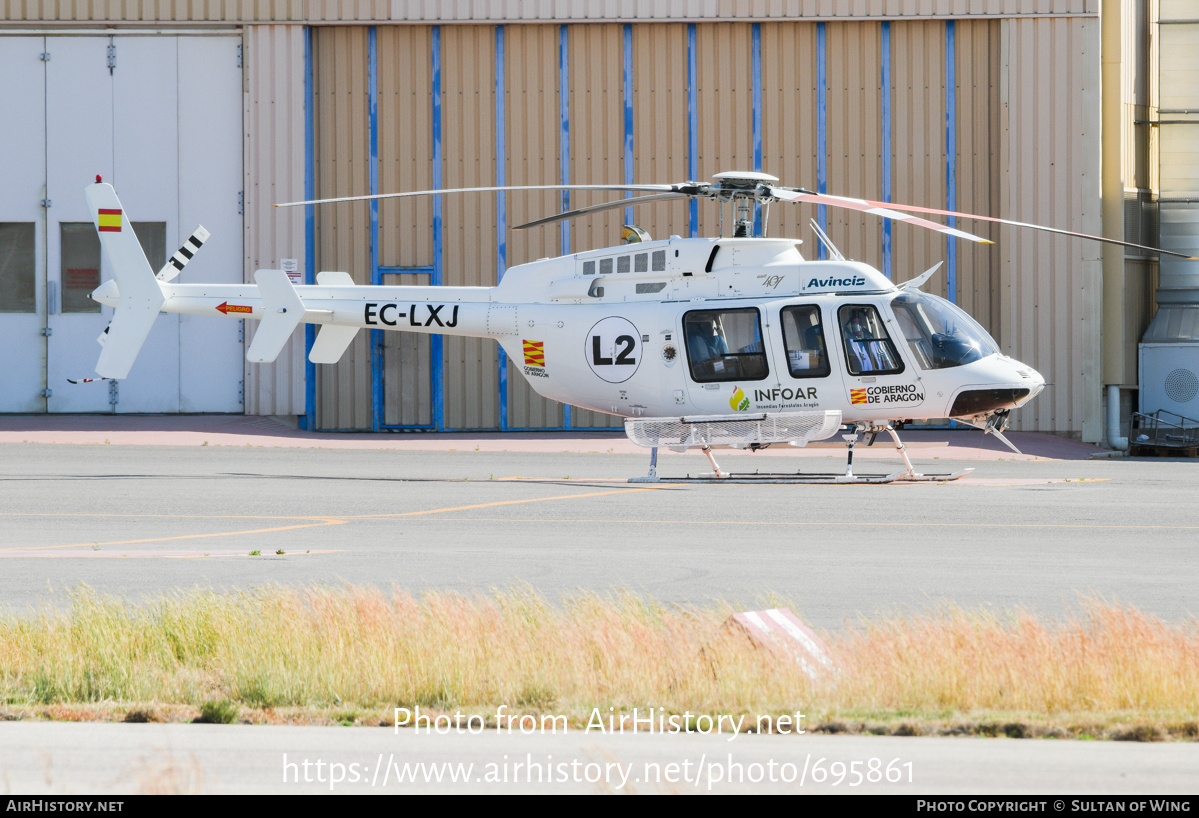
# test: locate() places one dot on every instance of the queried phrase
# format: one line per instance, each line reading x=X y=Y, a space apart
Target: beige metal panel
x=341 y=11
x=854 y=123
x=405 y=145
x=724 y=109
x=1051 y=149
x=471 y=372
x=660 y=121
x=789 y=122
x=918 y=144
x=527 y=11
x=407 y=381
x=1177 y=10
x=342 y=149
x=273 y=113
x=533 y=157
x=596 y=98
x=978 y=165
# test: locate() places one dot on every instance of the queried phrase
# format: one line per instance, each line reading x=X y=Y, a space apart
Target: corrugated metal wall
x=468 y=144
x=595 y=72
x=1050 y=313
x=532 y=142
x=979 y=117
x=789 y=121
x=508 y=11
x=854 y=140
x=274 y=172
x=341 y=168
x=405 y=151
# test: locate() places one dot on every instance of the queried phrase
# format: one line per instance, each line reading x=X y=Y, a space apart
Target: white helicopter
x=735 y=342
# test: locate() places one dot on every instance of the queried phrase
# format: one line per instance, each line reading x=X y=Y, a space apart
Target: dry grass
x=349 y=655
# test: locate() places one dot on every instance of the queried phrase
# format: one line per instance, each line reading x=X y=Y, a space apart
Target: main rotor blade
x=613 y=205
x=806 y=196
x=654 y=188
x=976 y=217
x=876 y=208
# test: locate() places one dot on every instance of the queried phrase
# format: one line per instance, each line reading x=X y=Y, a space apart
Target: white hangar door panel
x=22 y=225
x=211 y=351
x=88 y=112
x=159 y=118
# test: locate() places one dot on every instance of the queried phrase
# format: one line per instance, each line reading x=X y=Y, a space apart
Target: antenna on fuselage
x=833 y=252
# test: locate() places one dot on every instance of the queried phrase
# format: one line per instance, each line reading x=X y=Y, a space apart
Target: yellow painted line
x=151 y=556
x=323 y=521
x=511 y=502
x=809 y=524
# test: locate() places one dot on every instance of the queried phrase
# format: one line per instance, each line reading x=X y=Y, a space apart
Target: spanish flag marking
x=857 y=395
x=109 y=221
x=534 y=353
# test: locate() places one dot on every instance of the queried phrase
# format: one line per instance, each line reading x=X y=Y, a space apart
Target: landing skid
x=906 y=475
x=799 y=477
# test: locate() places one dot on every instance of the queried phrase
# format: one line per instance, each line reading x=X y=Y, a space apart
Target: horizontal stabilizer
x=331 y=343
x=282 y=311
x=126 y=334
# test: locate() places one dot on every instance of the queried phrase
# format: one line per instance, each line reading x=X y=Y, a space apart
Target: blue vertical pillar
x=564 y=151
x=821 y=134
x=372 y=112
x=501 y=213
x=308 y=421
x=628 y=117
x=436 y=341
x=692 y=129
x=756 y=117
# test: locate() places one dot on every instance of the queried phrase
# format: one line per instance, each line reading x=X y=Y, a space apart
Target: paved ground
x=192 y=758
x=1022 y=531
x=142 y=506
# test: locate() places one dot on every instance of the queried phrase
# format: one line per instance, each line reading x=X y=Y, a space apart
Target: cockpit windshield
x=940 y=334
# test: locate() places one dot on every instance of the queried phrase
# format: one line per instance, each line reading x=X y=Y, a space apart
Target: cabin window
x=641 y=263
x=17 y=271
x=803 y=338
x=659 y=261
x=725 y=345
x=622 y=264
x=605 y=266
x=939 y=333
x=868 y=348
x=588 y=268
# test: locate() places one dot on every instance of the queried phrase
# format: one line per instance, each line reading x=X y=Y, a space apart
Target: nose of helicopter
x=1009 y=384
x=1031 y=378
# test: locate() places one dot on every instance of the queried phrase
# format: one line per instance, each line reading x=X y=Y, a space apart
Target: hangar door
x=160 y=118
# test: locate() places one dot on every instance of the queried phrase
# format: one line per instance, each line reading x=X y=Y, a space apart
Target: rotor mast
x=743 y=189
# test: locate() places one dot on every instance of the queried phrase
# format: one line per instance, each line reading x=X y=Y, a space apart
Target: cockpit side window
x=939 y=333
x=725 y=345
x=803 y=338
x=868 y=348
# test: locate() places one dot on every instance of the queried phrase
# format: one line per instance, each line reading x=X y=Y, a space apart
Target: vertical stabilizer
x=140 y=295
